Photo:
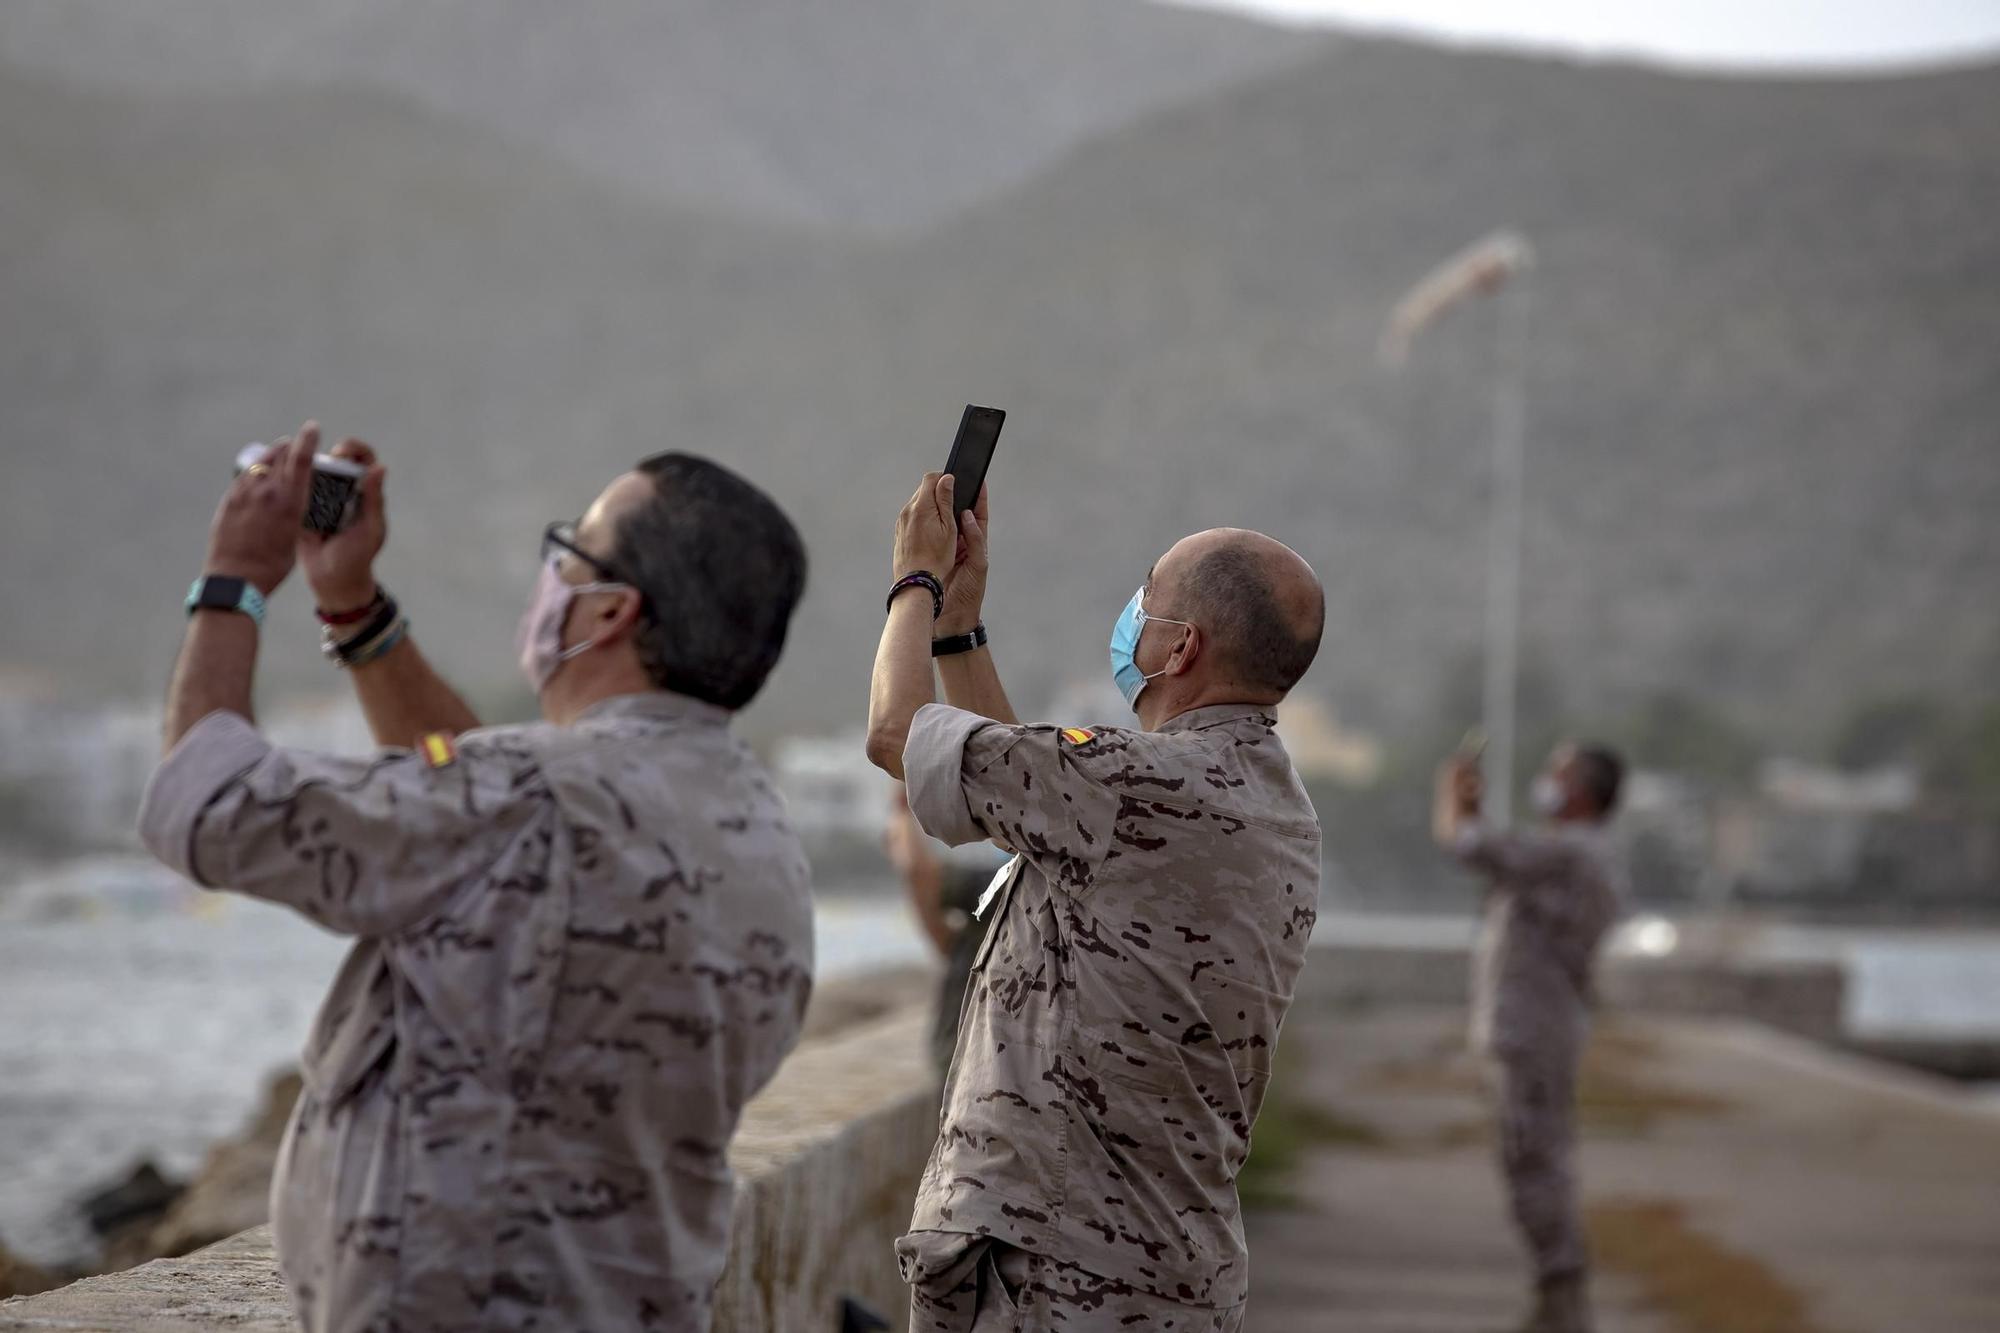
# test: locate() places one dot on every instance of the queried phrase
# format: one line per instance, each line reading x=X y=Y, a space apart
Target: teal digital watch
x=226 y=592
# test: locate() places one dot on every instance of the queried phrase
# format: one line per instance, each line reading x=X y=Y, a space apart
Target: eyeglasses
x=560 y=538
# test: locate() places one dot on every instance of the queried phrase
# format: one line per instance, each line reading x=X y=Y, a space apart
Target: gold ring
x=257 y=469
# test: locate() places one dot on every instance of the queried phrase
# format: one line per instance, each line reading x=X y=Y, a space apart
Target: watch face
x=221 y=591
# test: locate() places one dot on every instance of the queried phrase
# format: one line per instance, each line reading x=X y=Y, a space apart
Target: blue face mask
x=1125 y=634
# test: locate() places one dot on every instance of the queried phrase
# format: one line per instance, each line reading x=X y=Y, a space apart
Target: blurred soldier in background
x=1144 y=942
x=580 y=944
x=1552 y=894
x=943 y=894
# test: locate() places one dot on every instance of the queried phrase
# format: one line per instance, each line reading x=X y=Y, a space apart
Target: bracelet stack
x=359 y=616
x=921 y=578
x=383 y=626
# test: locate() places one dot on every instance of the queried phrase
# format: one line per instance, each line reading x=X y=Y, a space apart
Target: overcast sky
x=1814 y=33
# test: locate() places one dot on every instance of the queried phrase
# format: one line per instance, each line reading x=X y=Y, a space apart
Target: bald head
x=1255 y=599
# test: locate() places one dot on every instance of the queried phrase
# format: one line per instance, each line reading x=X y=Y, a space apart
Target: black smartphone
x=336 y=488
x=972 y=451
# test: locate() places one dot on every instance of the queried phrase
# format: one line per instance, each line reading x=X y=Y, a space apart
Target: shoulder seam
x=1282 y=830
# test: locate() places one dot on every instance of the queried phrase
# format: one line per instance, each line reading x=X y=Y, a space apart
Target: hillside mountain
x=1761 y=398
x=870 y=114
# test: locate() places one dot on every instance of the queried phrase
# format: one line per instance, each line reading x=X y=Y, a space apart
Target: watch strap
x=952 y=644
x=226 y=592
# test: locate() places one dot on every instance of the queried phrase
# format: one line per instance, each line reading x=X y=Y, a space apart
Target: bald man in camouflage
x=1553 y=893
x=1144 y=942
x=580 y=944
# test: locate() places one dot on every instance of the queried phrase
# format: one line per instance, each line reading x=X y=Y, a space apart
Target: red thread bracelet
x=353 y=617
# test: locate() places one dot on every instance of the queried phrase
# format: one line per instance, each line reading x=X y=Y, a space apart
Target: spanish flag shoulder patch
x=1078 y=735
x=439 y=749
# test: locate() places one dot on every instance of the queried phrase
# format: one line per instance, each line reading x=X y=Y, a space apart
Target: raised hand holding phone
x=340 y=565
x=965 y=585
x=252 y=535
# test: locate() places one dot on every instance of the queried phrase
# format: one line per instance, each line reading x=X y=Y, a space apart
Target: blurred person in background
x=1143 y=944
x=580 y=944
x=944 y=895
x=1552 y=896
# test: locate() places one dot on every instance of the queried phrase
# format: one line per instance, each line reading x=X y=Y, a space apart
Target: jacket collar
x=660 y=706
x=1217 y=715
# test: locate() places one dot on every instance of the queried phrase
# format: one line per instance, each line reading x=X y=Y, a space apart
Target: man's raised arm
x=250 y=552
x=926 y=534
x=971 y=681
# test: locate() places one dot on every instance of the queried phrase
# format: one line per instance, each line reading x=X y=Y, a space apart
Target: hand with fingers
x=1460 y=783
x=341 y=566
x=965 y=584
x=926 y=530
x=254 y=535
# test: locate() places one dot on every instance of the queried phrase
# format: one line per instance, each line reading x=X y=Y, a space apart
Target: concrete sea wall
x=827 y=1160
x=828 y=1155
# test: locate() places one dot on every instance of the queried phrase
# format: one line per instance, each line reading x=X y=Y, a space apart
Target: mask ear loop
x=578 y=590
x=1144 y=616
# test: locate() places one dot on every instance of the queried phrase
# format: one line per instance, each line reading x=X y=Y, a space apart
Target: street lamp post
x=1499 y=265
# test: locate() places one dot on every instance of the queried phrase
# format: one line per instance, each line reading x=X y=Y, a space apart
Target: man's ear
x=620 y=617
x=1182 y=659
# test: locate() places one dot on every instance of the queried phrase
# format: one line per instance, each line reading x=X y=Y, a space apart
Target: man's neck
x=1156 y=713
x=566 y=700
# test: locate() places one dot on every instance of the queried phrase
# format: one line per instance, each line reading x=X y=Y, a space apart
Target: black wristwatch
x=226 y=592
x=959 y=643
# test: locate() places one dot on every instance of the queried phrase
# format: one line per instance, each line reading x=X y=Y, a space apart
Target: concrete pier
x=1738 y=1178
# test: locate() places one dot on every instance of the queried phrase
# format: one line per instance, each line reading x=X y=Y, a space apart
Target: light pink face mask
x=539 y=638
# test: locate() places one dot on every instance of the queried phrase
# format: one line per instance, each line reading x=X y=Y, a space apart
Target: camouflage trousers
x=988 y=1286
x=1535 y=1097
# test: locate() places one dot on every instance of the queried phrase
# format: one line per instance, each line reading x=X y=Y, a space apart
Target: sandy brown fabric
x=578 y=952
x=1553 y=896
x=988 y=1286
x=1122 y=1012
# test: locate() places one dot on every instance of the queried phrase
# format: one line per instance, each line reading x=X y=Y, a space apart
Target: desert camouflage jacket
x=578 y=952
x=1552 y=896
x=1122 y=1013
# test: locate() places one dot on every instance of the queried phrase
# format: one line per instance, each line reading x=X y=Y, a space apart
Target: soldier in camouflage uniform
x=580 y=945
x=1552 y=896
x=1144 y=942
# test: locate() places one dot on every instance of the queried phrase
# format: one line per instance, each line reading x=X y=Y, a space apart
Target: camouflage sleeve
x=972 y=778
x=363 y=846
x=1521 y=857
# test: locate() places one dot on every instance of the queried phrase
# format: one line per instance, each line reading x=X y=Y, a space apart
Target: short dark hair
x=722 y=568
x=1602 y=772
x=1228 y=594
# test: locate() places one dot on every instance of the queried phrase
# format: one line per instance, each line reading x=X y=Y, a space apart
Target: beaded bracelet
x=369 y=652
x=344 y=651
x=921 y=578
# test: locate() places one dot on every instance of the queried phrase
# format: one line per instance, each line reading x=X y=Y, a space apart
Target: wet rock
x=144 y=1194
x=230 y=1193
x=18 y=1277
